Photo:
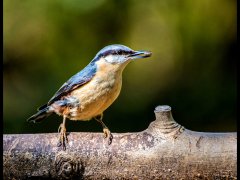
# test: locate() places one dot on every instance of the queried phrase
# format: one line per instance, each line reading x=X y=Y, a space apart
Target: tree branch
x=165 y=150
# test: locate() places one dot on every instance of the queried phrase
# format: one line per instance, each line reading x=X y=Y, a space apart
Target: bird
x=87 y=94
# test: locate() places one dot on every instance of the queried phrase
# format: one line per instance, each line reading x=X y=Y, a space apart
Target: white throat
x=115 y=58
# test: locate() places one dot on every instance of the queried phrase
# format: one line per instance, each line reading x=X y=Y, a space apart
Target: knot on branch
x=67 y=167
x=164 y=124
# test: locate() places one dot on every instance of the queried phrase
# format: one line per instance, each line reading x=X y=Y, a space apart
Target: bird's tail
x=40 y=115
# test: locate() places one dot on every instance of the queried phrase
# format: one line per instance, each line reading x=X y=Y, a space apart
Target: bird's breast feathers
x=99 y=93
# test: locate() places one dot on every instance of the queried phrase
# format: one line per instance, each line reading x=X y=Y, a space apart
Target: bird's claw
x=108 y=134
x=62 y=137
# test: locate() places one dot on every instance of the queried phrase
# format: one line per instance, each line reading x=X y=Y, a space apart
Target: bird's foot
x=108 y=135
x=62 y=137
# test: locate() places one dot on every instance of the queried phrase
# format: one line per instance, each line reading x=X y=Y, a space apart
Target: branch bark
x=165 y=150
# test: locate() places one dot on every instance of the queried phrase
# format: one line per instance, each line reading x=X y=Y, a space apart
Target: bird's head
x=120 y=54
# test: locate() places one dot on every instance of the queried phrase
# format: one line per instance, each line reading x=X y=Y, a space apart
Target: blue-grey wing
x=74 y=82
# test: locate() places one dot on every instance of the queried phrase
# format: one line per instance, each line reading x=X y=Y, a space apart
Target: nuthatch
x=91 y=91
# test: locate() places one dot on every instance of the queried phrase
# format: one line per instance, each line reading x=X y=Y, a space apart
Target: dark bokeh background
x=193 y=67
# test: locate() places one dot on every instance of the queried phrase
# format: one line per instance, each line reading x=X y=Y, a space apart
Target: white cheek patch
x=115 y=58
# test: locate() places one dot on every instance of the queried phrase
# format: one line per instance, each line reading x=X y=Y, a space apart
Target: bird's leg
x=106 y=131
x=62 y=134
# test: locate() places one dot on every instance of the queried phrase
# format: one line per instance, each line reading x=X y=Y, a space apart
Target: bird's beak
x=140 y=54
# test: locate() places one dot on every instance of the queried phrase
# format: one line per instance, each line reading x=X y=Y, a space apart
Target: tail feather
x=40 y=115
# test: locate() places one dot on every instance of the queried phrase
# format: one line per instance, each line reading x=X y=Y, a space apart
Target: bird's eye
x=118 y=52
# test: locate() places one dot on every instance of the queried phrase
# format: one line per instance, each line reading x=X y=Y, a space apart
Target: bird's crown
x=115 y=49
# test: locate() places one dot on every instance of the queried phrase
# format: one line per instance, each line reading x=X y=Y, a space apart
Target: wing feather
x=74 y=82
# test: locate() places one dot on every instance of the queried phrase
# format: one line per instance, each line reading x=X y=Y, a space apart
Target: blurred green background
x=192 y=69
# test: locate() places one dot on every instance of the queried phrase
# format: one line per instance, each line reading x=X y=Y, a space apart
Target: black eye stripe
x=119 y=52
x=115 y=52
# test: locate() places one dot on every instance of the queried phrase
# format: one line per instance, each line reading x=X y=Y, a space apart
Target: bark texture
x=165 y=150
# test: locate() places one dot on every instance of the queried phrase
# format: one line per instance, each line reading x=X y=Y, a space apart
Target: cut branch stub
x=164 y=125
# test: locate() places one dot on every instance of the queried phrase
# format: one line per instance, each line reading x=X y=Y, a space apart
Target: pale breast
x=97 y=95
